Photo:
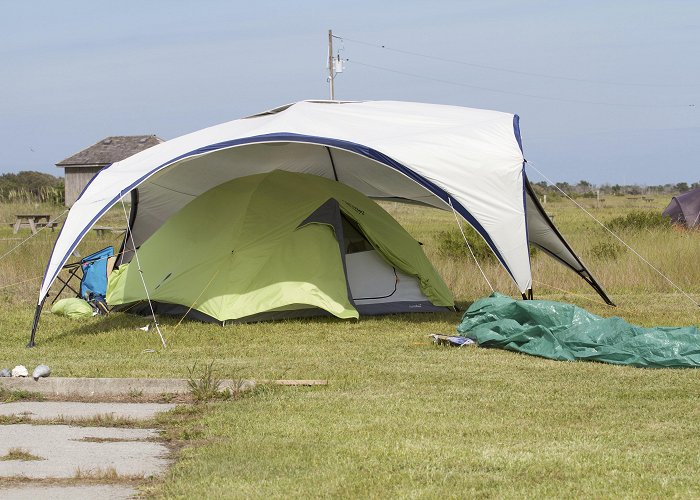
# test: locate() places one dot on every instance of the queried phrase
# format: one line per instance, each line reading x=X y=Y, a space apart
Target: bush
x=639 y=220
x=606 y=251
x=30 y=186
x=451 y=245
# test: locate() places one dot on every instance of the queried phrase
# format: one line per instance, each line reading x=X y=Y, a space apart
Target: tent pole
x=37 y=313
x=330 y=156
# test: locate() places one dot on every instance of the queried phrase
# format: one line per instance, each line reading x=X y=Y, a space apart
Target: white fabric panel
x=541 y=234
x=373 y=281
x=167 y=192
x=471 y=154
x=369 y=276
x=376 y=180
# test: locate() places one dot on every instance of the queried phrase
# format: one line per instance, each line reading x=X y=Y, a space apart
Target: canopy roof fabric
x=454 y=158
x=685 y=209
x=268 y=242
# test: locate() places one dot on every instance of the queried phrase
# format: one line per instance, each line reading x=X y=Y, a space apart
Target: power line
x=522 y=94
x=517 y=72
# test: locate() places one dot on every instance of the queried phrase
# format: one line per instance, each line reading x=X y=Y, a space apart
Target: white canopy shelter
x=449 y=157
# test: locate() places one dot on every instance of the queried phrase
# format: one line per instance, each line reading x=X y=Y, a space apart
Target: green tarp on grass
x=565 y=332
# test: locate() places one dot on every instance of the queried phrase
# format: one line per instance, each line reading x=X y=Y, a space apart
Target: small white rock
x=41 y=371
x=20 y=371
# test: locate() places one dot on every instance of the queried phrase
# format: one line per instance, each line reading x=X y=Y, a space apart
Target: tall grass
x=23 y=256
x=619 y=270
x=45 y=194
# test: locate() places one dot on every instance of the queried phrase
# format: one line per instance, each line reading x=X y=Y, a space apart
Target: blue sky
x=603 y=89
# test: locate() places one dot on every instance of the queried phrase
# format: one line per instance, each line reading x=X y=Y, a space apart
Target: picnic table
x=102 y=230
x=33 y=221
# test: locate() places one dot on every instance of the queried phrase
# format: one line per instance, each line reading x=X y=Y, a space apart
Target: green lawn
x=400 y=416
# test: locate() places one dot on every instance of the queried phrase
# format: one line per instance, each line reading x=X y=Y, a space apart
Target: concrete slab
x=107 y=387
x=51 y=410
x=67 y=450
x=102 y=491
x=120 y=387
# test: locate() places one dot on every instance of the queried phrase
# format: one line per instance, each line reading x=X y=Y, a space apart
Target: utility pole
x=330 y=63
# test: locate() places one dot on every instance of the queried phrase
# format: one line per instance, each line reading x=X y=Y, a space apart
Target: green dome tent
x=280 y=244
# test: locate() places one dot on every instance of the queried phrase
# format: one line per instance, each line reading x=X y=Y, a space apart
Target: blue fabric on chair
x=94 y=282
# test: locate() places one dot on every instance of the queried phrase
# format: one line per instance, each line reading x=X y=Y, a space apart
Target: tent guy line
x=138 y=264
x=20 y=282
x=33 y=235
x=466 y=241
x=618 y=309
x=189 y=309
x=601 y=224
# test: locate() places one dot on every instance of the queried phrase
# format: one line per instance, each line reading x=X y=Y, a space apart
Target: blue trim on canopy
x=65 y=258
x=325 y=141
x=516 y=129
x=92 y=179
x=527 y=229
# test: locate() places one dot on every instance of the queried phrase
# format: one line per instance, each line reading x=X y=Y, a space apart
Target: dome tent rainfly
x=281 y=244
x=453 y=158
x=684 y=209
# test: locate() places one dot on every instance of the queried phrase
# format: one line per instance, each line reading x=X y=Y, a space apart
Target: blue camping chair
x=93 y=284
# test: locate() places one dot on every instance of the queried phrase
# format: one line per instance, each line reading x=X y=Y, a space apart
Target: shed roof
x=109 y=150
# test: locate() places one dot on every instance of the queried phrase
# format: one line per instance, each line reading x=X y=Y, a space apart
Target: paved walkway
x=66 y=451
x=104 y=492
x=51 y=410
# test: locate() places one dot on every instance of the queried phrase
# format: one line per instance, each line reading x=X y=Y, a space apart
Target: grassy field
x=402 y=417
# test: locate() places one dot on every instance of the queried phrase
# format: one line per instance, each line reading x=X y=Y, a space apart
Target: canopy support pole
x=37 y=313
x=330 y=155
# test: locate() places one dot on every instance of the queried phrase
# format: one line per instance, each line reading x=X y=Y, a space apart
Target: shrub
x=29 y=187
x=638 y=221
x=451 y=245
x=606 y=250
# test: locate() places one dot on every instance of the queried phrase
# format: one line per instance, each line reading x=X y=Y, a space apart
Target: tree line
x=31 y=186
x=588 y=190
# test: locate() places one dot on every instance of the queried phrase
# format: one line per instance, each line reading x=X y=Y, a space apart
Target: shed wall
x=76 y=178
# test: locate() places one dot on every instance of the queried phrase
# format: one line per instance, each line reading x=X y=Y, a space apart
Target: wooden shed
x=82 y=166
